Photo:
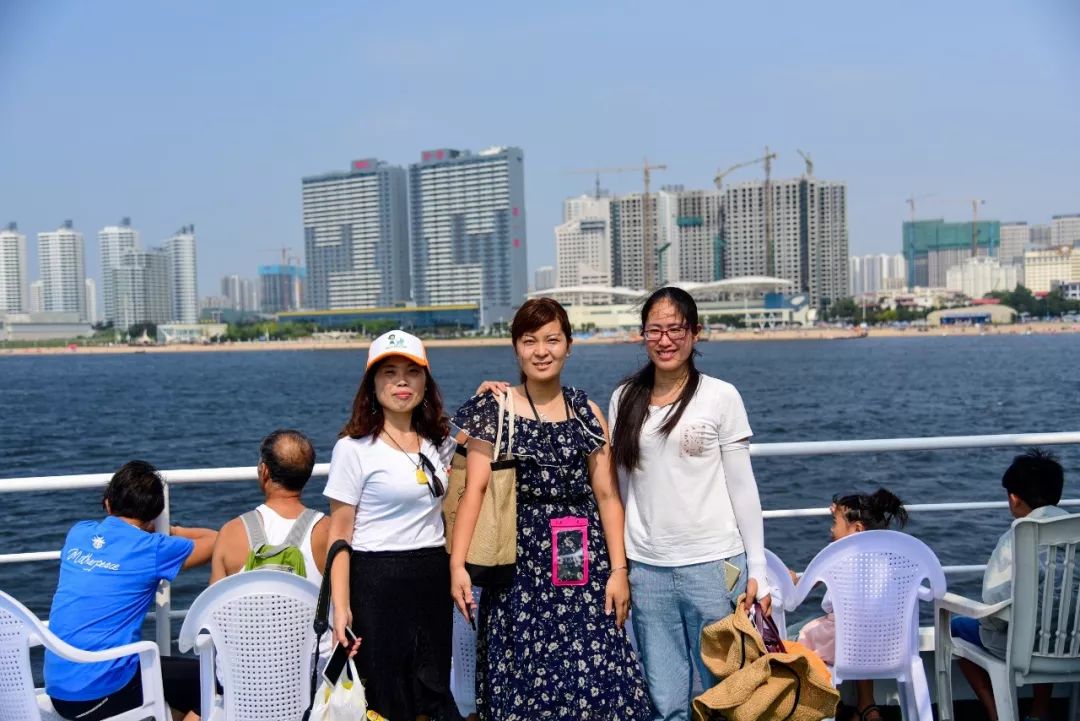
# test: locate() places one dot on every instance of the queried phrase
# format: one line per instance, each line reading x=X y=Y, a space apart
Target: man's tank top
x=277 y=528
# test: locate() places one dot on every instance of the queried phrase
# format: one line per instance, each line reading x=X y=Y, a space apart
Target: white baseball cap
x=397 y=342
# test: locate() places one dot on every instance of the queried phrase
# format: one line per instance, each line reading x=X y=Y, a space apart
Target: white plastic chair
x=463 y=663
x=875 y=584
x=20 y=701
x=259 y=627
x=781 y=588
x=1043 y=640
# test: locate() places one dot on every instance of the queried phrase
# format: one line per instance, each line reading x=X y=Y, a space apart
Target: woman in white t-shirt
x=388 y=475
x=694 y=529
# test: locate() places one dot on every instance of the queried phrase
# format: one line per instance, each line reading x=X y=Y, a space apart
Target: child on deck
x=1034 y=483
x=851 y=514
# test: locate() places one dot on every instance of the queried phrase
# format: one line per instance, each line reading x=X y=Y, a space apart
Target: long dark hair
x=367 y=418
x=877 y=511
x=637 y=388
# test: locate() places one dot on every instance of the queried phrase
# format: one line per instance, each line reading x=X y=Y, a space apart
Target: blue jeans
x=670 y=608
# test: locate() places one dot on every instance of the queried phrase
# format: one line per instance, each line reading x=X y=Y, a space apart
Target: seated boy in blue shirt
x=109 y=574
x=1034 y=483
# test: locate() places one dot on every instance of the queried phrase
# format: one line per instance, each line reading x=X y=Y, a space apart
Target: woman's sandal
x=871 y=713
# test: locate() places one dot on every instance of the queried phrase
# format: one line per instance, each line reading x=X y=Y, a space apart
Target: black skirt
x=403 y=614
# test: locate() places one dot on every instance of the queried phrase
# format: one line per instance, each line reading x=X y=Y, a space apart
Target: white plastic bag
x=346 y=701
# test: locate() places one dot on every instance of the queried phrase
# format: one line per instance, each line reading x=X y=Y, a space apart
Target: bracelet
x=620 y=568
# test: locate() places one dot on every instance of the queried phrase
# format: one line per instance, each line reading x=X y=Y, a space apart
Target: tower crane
x=975 y=203
x=808 y=161
x=766 y=160
x=648 y=242
x=285 y=260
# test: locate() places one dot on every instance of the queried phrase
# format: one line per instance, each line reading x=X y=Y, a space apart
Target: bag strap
x=300 y=528
x=510 y=422
x=499 y=426
x=256 y=533
x=322 y=614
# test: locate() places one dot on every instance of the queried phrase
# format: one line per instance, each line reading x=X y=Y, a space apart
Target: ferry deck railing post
x=163 y=597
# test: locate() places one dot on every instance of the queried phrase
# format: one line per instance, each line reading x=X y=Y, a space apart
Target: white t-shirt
x=678 y=509
x=393 y=511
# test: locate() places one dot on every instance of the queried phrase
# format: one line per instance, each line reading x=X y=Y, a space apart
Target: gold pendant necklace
x=421 y=475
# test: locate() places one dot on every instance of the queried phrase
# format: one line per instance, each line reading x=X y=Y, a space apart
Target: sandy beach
x=722 y=337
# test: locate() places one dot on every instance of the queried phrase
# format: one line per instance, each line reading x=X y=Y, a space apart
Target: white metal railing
x=163 y=611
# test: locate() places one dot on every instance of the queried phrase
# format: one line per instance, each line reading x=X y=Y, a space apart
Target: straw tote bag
x=493 y=551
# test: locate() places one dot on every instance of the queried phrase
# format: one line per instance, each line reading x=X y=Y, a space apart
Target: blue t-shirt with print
x=109 y=573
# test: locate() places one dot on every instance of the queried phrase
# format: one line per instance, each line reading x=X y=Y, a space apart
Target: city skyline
x=889 y=119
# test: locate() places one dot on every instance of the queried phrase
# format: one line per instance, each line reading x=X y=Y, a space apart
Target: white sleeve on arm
x=346 y=480
x=742 y=489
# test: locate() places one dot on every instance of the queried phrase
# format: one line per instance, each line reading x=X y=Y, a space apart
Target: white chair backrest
x=875 y=581
x=260 y=623
x=17 y=626
x=776 y=571
x=1044 y=631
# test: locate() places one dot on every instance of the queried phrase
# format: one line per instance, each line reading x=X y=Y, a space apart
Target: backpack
x=285 y=556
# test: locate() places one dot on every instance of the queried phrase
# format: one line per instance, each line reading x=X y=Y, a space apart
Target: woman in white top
x=694 y=529
x=388 y=475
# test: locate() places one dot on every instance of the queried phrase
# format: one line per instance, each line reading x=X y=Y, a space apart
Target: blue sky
x=210 y=113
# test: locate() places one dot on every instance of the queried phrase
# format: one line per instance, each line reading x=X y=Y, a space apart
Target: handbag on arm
x=493 y=551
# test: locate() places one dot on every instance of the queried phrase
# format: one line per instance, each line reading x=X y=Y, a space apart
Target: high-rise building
x=544 y=278
x=809 y=235
x=239 y=293
x=468 y=230
x=356 y=237
x=281 y=288
x=628 y=217
x=1015 y=238
x=1041 y=236
x=1065 y=230
x=583 y=243
x=143 y=286
x=1045 y=267
x=91 y=302
x=14 y=289
x=856 y=284
x=688 y=235
x=115 y=240
x=183 y=275
x=37 y=296
x=975 y=277
x=61 y=257
x=931 y=247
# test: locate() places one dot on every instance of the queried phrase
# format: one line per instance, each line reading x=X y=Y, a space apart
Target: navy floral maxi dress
x=546 y=651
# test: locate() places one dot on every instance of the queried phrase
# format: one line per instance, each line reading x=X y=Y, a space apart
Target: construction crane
x=766 y=160
x=648 y=242
x=913 y=199
x=975 y=203
x=284 y=253
x=808 y=161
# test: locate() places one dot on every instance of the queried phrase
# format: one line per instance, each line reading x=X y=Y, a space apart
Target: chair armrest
x=955 y=603
x=143 y=649
x=202 y=642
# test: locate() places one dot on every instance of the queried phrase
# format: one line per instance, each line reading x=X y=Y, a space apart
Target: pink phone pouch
x=570 y=551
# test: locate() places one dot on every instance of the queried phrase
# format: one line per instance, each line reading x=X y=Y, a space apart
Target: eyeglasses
x=675 y=333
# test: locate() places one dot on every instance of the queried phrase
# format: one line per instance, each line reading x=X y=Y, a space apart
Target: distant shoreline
x=736 y=336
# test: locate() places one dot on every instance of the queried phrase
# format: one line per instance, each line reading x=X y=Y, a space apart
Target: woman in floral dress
x=549 y=647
